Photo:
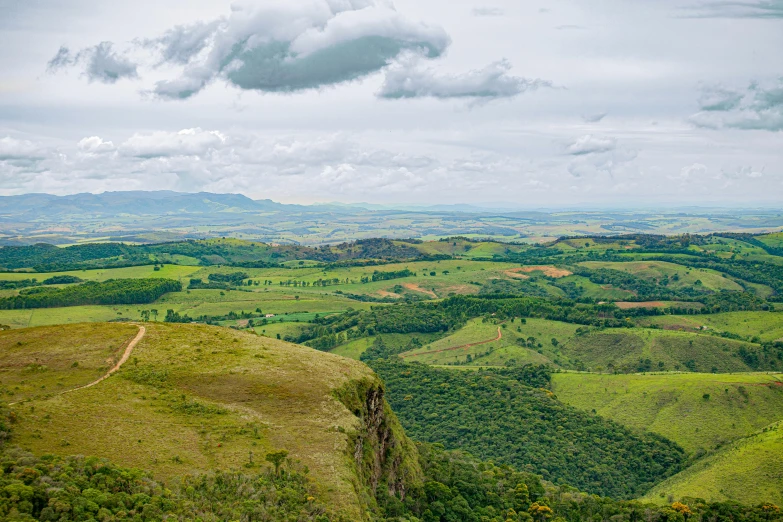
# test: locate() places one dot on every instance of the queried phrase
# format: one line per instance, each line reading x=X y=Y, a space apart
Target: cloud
x=692 y=171
x=182 y=43
x=100 y=62
x=292 y=46
x=717 y=98
x=758 y=107
x=589 y=144
x=95 y=145
x=594 y=118
x=570 y=27
x=743 y=172
x=187 y=142
x=13 y=149
x=738 y=9
x=487 y=11
x=594 y=155
x=408 y=78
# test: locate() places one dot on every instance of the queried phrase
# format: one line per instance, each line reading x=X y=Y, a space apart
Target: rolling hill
x=196 y=399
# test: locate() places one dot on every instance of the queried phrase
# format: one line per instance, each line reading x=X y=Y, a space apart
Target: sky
x=590 y=103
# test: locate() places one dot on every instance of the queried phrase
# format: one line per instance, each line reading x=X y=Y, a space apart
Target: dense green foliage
x=385 y=276
x=112 y=291
x=461 y=488
x=62 y=280
x=49 y=258
x=20 y=283
x=497 y=415
x=50 y=488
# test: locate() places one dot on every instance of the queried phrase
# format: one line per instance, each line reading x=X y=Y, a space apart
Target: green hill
x=749 y=470
x=698 y=411
x=195 y=399
x=638 y=350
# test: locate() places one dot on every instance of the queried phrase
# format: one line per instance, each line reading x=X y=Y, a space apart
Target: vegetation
x=113 y=291
x=499 y=415
x=674 y=405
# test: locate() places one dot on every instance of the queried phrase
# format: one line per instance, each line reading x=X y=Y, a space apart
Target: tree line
x=110 y=292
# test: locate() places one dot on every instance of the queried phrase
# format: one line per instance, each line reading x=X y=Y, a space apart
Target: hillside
x=698 y=411
x=749 y=470
x=198 y=399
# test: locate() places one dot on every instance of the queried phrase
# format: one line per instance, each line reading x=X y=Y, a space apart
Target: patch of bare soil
x=417 y=288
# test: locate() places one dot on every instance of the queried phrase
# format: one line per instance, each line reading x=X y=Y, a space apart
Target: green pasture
x=748 y=470
x=701 y=412
x=657 y=270
x=102 y=274
x=766 y=326
x=625 y=349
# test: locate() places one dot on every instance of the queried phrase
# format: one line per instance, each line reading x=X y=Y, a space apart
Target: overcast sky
x=537 y=103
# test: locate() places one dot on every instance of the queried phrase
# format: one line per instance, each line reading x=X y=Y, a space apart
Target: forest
x=456 y=486
x=496 y=415
x=112 y=291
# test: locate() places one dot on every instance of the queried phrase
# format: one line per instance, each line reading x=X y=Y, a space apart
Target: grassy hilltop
x=198 y=399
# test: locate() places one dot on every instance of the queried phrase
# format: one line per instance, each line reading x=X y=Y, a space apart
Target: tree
x=277 y=458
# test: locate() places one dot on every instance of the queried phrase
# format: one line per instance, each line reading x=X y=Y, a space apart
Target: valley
x=643 y=369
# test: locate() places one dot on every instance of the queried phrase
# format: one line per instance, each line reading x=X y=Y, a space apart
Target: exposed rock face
x=386 y=460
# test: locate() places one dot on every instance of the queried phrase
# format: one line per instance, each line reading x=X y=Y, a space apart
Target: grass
x=748 y=470
x=40 y=362
x=623 y=348
x=710 y=279
x=767 y=326
x=132 y=272
x=674 y=405
x=192 y=398
x=495 y=353
x=541 y=341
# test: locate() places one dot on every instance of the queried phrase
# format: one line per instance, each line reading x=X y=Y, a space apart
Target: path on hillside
x=125 y=356
x=499 y=337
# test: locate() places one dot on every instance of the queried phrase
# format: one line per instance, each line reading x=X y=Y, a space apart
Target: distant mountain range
x=146 y=217
x=131 y=203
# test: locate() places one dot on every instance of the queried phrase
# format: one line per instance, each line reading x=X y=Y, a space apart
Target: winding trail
x=125 y=356
x=499 y=337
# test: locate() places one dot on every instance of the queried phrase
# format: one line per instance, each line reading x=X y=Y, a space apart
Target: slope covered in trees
x=496 y=415
x=113 y=291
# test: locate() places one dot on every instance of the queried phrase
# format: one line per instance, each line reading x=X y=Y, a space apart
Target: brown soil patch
x=461 y=289
x=515 y=275
x=679 y=328
x=549 y=271
x=417 y=288
x=384 y=293
x=624 y=305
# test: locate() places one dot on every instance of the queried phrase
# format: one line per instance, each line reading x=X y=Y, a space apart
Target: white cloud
x=596 y=155
x=695 y=170
x=409 y=78
x=274 y=46
x=589 y=144
x=95 y=145
x=187 y=142
x=13 y=149
x=758 y=107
